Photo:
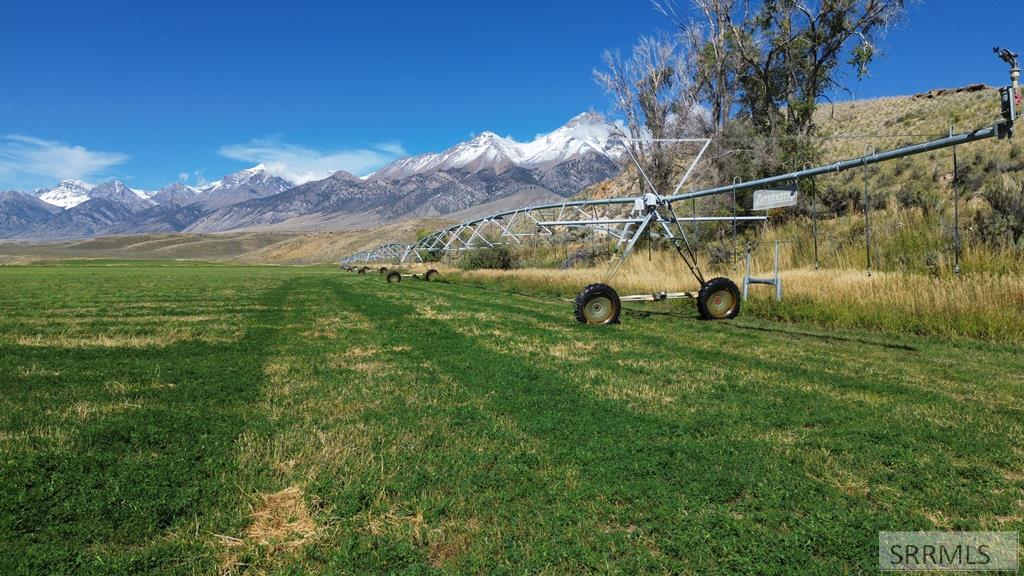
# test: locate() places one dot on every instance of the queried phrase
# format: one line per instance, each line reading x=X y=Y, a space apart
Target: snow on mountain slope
x=257 y=174
x=488 y=150
x=71 y=193
x=67 y=194
x=243 y=185
x=144 y=194
x=588 y=133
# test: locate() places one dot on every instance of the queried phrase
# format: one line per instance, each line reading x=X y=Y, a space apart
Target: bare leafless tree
x=654 y=92
x=706 y=38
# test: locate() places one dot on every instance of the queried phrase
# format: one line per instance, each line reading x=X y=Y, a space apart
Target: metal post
x=867 y=219
x=746 y=275
x=778 y=281
x=734 y=208
x=956 y=213
x=814 y=215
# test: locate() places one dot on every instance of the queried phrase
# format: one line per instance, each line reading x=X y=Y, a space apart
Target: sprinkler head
x=1007 y=56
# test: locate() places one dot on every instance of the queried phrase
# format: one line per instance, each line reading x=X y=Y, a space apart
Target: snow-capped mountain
x=67 y=194
x=486 y=150
x=71 y=193
x=248 y=184
x=586 y=134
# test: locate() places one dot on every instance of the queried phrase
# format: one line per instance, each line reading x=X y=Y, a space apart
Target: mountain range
x=476 y=177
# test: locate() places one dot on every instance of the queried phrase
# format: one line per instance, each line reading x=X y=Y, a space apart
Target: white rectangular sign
x=768 y=199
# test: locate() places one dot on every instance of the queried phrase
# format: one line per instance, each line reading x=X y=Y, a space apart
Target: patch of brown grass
x=939 y=519
x=282 y=520
x=450 y=540
x=368 y=368
x=641 y=397
x=1013 y=475
x=359 y=352
x=280 y=524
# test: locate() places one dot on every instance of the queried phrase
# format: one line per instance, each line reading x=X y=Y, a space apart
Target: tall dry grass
x=979 y=306
x=985 y=307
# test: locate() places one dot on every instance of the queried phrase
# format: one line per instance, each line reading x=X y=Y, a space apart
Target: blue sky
x=152 y=92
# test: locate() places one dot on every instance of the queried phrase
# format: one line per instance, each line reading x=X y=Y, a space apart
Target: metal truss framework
x=388 y=253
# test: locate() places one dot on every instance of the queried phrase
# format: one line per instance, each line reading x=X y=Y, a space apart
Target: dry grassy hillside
x=911 y=199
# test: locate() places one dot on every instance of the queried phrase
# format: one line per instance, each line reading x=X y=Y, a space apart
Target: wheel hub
x=598 y=310
x=720 y=303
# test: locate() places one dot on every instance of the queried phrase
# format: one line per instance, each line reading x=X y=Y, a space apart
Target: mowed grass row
x=218 y=419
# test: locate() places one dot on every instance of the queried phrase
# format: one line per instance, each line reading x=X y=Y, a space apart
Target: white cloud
x=183 y=176
x=26 y=161
x=299 y=164
x=392 y=148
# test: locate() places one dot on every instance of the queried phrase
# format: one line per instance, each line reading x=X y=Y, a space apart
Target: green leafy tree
x=769 y=63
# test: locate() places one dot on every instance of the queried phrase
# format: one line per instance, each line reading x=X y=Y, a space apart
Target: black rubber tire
x=394 y=278
x=587 y=298
x=430 y=275
x=383 y=270
x=718 y=288
x=362 y=270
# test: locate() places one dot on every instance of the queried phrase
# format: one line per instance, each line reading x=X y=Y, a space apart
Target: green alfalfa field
x=213 y=419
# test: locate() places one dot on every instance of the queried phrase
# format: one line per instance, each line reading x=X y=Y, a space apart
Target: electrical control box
x=1008 y=101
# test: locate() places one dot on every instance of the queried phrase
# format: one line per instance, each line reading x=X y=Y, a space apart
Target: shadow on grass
x=148 y=453
x=821 y=336
x=677 y=491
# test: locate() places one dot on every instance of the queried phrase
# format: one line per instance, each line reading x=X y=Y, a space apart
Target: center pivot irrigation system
x=651 y=214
